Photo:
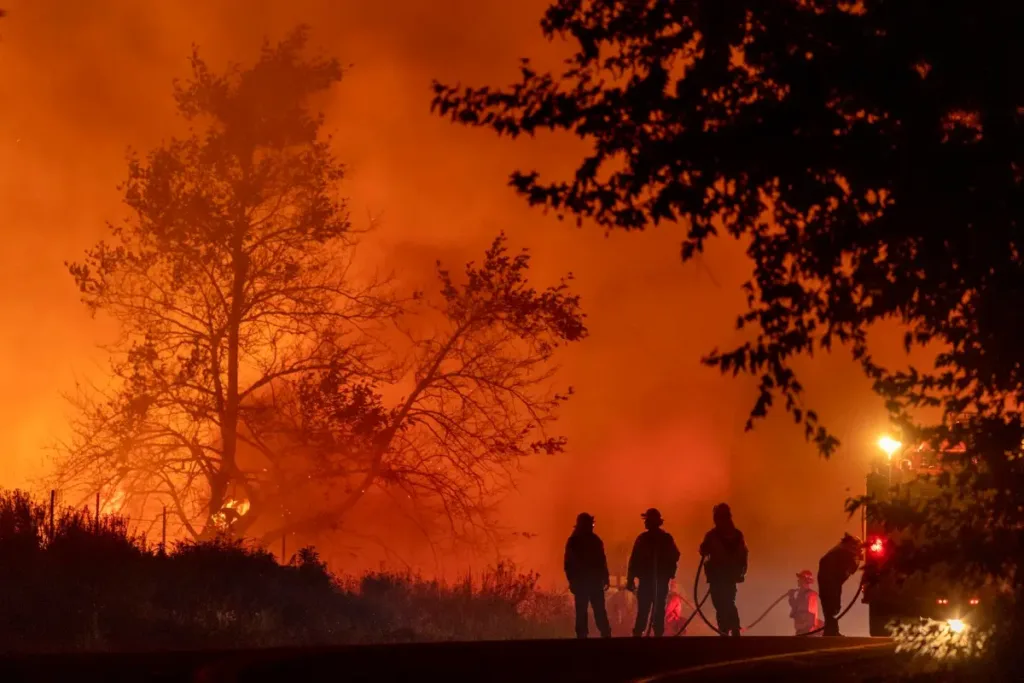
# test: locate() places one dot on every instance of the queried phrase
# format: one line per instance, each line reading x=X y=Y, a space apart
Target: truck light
x=974 y=601
x=956 y=625
x=942 y=601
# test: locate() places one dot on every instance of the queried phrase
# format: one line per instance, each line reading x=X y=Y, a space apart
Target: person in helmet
x=804 y=606
x=586 y=569
x=725 y=566
x=653 y=562
x=834 y=568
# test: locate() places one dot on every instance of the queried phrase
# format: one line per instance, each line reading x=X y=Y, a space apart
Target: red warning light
x=974 y=601
x=942 y=601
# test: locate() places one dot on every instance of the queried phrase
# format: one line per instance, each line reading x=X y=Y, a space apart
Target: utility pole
x=53 y=498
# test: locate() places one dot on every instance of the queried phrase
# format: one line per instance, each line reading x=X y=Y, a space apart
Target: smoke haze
x=649 y=425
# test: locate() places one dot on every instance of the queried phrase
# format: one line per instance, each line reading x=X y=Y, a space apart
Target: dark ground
x=872 y=663
x=565 y=661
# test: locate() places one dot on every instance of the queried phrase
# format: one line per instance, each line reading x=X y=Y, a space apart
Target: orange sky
x=650 y=425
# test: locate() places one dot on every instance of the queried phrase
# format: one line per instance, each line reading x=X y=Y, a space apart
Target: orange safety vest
x=805 y=610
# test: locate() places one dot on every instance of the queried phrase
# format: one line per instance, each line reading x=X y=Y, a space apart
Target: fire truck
x=920 y=595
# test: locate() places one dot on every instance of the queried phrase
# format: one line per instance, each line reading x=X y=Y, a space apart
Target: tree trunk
x=228 y=470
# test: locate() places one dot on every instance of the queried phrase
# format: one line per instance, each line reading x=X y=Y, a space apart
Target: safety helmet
x=722 y=510
x=805 y=575
x=851 y=540
x=653 y=515
x=584 y=519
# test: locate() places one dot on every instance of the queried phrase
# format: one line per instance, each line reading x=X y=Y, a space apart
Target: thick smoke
x=649 y=427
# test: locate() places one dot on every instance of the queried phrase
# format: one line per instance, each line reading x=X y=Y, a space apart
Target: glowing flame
x=956 y=625
x=876 y=546
x=237 y=508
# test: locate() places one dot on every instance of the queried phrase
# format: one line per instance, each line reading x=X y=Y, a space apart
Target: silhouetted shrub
x=96 y=585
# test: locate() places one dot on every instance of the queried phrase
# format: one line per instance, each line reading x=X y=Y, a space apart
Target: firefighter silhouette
x=586 y=569
x=725 y=565
x=804 y=605
x=834 y=568
x=653 y=562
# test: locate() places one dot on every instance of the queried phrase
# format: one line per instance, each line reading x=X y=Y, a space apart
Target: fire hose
x=700 y=604
x=747 y=628
x=694 y=614
x=696 y=583
x=650 y=620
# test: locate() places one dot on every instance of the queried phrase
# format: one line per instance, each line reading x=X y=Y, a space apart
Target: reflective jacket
x=805 y=610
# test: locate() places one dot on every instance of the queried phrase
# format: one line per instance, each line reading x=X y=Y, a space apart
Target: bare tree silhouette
x=246 y=385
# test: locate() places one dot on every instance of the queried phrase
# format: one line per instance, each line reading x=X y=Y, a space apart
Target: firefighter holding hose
x=725 y=566
x=834 y=568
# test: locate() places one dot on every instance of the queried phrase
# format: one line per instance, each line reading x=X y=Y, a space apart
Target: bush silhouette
x=94 y=584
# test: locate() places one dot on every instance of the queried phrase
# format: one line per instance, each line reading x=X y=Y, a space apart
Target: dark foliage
x=867 y=151
x=96 y=586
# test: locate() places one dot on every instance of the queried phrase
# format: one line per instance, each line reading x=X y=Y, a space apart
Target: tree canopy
x=247 y=388
x=867 y=152
x=230 y=275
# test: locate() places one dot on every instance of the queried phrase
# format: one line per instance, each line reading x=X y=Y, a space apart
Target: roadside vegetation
x=95 y=585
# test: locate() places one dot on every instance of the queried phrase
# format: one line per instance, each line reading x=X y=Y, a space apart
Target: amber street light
x=889 y=445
